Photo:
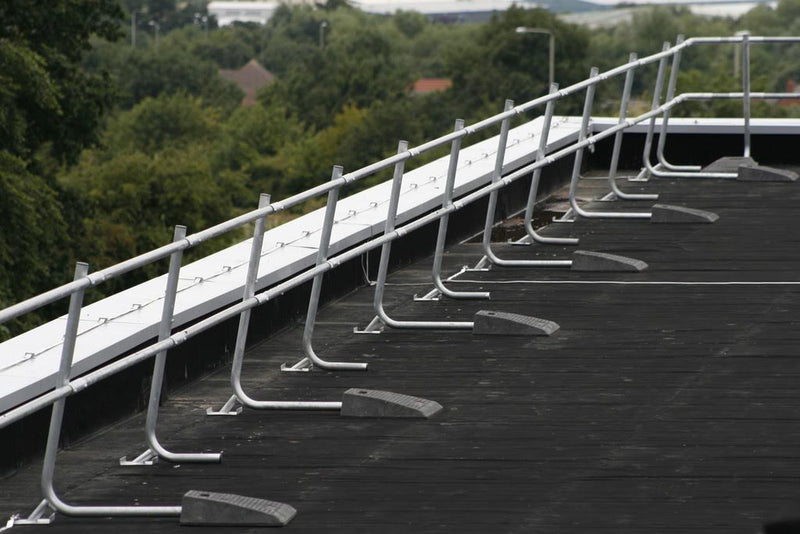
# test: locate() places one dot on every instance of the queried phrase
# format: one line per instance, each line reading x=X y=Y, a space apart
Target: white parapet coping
x=115 y=325
x=708 y=126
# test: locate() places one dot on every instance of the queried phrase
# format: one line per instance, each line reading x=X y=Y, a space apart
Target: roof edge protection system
x=374 y=403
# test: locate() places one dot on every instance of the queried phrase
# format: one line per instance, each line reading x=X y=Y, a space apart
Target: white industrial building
x=230 y=12
x=465 y=10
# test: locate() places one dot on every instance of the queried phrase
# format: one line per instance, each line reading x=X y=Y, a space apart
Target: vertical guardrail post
x=447 y=201
x=662 y=138
x=623 y=114
x=537 y=173
x=64 y=369
x=51 y=499
x=746 y=91
x=648 y=141
x=383 y=264
x=156 y=450
x=497 y=174
x=576 y=167
x=57 y=413
x=311 y=358
x=239 y=395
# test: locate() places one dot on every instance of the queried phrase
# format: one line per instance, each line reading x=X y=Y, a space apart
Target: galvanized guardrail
x=64 y=386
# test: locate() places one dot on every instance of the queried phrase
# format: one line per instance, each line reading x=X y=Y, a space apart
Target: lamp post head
x=525 y=29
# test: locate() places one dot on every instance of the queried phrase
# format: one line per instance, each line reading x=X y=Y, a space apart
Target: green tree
x=134 y=200
x=250 y=141
x=170 y=69
x=34 y=243
x=499 y=63
x=44 y=40
x=176 y=120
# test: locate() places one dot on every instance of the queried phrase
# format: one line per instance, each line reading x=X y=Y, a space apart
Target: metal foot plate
x=511 y=324
x=761 y=173
x=374 y=403
x=669 y=214
x=586 y=260
x=219 y=509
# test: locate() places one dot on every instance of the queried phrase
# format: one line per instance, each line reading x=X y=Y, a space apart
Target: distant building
x=430 y=85
x=250 y=79
x=229 y=12
x=442 y=10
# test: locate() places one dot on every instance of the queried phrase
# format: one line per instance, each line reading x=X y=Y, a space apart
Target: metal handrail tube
x=146 y=258
x=96 y=278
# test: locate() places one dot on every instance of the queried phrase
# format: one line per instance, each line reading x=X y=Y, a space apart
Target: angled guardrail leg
x=662 y=138
x=576 y=168
x=312 y=359
x=497 y=174
x=623 y=114
x=156 y=450
x=383 y=268
x=51 y=499
x=534 y=190
x=239 y=396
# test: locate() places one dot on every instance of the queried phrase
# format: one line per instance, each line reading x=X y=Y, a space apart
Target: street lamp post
x=552 y=53
x=156 y=26
x=202 y=20
x=322 y=26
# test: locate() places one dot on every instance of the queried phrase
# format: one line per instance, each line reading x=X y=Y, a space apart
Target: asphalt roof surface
x=667 y=401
